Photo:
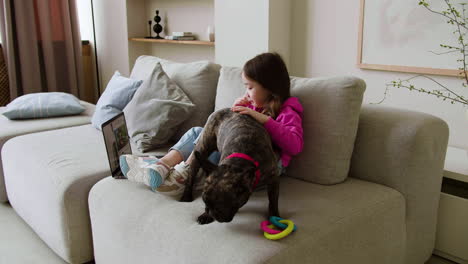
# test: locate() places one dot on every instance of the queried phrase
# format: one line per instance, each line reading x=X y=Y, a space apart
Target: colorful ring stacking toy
x=267 y=226
x=276 y=221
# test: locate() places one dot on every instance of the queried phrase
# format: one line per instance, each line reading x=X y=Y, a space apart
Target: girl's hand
x=244 y=100
x=261 y=118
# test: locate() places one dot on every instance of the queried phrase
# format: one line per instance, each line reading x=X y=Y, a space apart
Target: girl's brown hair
x=269 y=70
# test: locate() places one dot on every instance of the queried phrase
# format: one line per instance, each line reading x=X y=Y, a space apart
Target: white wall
x=279 y=33
x=241 y=30
x=136 y=21
x=324 y=43
x=112 y=38
x=246 y=28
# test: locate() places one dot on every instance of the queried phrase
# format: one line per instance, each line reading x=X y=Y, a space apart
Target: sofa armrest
x=404 y=150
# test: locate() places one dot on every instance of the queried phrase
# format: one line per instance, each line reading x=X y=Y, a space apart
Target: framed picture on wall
x=403 y=36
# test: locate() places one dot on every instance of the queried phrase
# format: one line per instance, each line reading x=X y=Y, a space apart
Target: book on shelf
x=179 y=38
x=182 y=34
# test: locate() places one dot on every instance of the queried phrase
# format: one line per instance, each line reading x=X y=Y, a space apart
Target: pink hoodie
x=286 y=131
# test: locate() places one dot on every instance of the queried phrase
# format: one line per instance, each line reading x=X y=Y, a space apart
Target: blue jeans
x=187 y=142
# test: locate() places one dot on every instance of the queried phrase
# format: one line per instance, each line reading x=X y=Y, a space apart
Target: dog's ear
x=251 y=172
x=206 y=165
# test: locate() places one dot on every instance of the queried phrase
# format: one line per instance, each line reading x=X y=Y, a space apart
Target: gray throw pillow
x=197 y=79
x=332 y=106
x=230 y=87
x=158 y=107
x=42 y=105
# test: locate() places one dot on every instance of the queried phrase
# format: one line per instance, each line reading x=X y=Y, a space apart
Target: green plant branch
x=447 y=52
x=400 y=83
x=455 y=14
x=411 y=87
x=426 y=5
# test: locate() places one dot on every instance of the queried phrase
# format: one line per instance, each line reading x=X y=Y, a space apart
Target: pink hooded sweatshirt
x=286 y=131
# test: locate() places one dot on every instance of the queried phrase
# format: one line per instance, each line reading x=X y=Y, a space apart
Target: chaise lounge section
x=13 y=128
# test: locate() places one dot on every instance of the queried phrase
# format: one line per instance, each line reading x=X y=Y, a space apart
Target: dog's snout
x=222 y=218
x=225 y=219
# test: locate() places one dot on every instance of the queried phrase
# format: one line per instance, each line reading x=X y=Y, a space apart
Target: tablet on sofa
x=117 y=142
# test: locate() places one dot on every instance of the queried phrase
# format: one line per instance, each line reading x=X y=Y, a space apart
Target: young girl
x=267 y=100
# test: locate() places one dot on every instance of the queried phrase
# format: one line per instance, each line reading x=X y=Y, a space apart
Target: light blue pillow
x=41 y=105
x=118 y=93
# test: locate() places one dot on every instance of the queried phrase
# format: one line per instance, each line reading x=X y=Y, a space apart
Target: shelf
x=456 y=164
x=186 y=42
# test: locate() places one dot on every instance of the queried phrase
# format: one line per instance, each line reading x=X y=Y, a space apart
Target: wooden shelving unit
x=185 y=42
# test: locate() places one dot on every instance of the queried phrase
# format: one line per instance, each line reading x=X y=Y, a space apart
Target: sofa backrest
x=198 y=79
x=331 y=114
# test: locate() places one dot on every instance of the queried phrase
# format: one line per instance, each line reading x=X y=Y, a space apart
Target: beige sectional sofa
x=364 y=190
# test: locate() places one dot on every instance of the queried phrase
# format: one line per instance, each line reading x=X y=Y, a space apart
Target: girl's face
x=256 y=92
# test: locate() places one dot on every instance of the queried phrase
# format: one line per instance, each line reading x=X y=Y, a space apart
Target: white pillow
x=118 y=93
x=41 y=105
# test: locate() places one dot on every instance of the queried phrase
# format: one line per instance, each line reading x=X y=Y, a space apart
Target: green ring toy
x=276 y=221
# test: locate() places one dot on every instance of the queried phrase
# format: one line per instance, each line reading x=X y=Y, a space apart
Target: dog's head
x=227 y=188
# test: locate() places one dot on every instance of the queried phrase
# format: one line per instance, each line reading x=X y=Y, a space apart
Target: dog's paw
x=205 y=219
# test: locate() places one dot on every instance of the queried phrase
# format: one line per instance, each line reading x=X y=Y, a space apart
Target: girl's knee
x=195 y=131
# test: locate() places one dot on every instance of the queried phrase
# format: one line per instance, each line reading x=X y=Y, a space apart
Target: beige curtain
x=42 y=46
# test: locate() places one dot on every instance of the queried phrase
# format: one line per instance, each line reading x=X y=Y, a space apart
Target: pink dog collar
x=247 y=157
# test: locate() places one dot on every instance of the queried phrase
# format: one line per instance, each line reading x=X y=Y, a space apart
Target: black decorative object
x=157 y=28
x=149 y=23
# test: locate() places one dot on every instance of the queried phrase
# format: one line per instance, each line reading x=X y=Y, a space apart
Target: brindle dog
x=229 y=185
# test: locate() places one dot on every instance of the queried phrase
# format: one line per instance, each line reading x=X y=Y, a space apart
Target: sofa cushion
x=230 y=87
x=352 y=222
x=12 y=128
x=48 y=176
x=43 y=105
x=116 y=96
x=156 y=111
x=197 y=79
x=331 y=114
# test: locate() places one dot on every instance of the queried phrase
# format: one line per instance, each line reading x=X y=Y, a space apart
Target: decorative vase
x=157 y=28
x=210 y=33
